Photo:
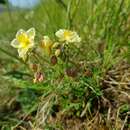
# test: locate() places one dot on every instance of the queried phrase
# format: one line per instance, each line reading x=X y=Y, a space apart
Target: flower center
x=67 y=34
x=23 y=40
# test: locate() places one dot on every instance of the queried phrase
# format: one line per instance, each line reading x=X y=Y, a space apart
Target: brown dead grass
x=107 y=113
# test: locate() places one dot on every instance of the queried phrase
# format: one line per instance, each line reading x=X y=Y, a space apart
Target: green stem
x=75 y=10
x=11 y=55
x=15 y=57
x=69 y=14
x=60 y=2
x=9 y=12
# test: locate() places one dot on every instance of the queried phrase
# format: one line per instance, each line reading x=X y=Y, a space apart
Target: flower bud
x=38 y=77
x=57 y=52
x=53 y=60
x=55 y=45
x=46 y=44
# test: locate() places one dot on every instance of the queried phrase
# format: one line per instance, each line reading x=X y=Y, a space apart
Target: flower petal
x=15 y=43
x=60 y=34
x=21 y=36
x=68 y=36
x=19 y=33
x=31 y=45
x=22 y=52
x=74 y=37
x=31 y=33
x=47 y=41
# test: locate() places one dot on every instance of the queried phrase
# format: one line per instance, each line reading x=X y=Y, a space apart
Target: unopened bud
x=38 y=77
x=55 y=45
x=57 y=52
x=53 y=60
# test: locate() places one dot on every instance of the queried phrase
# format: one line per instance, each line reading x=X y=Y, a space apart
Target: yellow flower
x=47 y=44
x=24 y=41
x=67 y=35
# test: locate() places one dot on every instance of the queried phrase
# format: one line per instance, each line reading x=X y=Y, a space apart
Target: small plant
x=72 y=68
x=54 y=50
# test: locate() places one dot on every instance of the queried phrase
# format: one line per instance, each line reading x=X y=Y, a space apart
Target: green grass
x=96 y=94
